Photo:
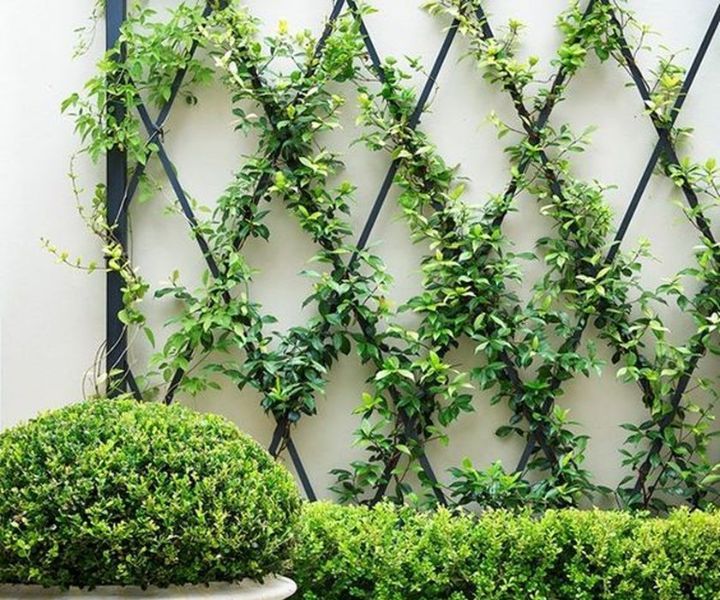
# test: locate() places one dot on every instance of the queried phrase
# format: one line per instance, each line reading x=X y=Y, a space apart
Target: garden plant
x=392 y=553
x=121 y=493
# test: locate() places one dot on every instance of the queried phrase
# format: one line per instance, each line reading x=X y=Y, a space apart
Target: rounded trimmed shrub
x=116 y=492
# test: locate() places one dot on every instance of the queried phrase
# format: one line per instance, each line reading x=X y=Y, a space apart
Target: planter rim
x=274 y=588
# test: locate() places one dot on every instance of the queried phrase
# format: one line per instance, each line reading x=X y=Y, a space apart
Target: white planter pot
x=274 y=588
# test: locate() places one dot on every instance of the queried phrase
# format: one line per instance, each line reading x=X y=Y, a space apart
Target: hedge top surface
x=115 y=492
x=391 y=553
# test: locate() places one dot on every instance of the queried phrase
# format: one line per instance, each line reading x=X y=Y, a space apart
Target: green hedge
x=118 y=492
x=388 y=553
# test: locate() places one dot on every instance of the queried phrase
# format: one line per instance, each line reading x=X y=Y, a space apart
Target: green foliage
x=391 y=553
x=118 y=492
x=518 y=353
x=289 y=98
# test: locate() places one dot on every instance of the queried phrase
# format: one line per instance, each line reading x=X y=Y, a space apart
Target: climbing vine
x=288 y=90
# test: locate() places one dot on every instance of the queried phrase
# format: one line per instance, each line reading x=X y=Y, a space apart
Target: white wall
x=52 y=316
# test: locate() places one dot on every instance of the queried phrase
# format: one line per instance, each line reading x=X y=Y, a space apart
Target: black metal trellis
x=121 y=190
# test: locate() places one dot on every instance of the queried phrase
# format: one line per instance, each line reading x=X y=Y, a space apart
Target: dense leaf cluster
x=390 y=553
x=125 y=493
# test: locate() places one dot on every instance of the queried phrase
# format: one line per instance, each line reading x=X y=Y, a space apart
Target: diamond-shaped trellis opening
x=702 y=102
x=203 y=145
x=672 y=247
x=676 y=30
x=306 y=14
x=465 y=137
x=282 y=259
x=328 y=438
x=600 y=405
x=363 y=168
x=523 y=227
x=394 y=42
x=150 y=224
x=599 y=97
x=473 y=434
x=539 y=33
x=401 y=257
x=706 y=369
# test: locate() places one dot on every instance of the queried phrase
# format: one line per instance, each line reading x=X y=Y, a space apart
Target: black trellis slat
x=116 y=163
x=663 y=145
x=120 y=192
